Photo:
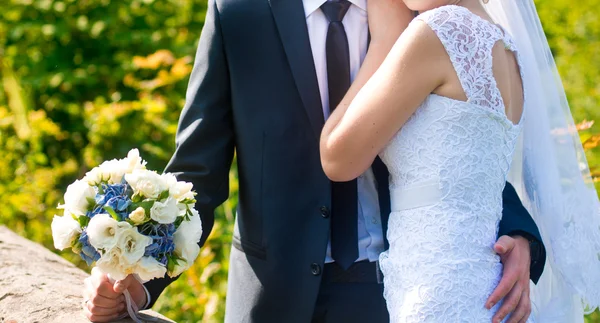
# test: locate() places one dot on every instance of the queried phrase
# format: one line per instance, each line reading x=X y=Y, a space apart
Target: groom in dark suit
x=304 y=250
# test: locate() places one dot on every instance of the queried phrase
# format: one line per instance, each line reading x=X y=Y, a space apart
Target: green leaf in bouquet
x=188 y=201
x=137 y=198
x=172 y=261
x=76 y=245
x=178 y=221
x=83 y=220
x=163 y=195
x=171 y=264
x=91 y=201
x=112 y=212
x=146 y=205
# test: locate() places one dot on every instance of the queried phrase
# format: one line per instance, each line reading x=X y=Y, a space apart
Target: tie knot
x=335 y=10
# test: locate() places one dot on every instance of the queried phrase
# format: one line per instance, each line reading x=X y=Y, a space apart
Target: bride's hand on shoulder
x=387 y=20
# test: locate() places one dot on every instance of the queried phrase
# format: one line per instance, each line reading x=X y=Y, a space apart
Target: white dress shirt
x=370 y=235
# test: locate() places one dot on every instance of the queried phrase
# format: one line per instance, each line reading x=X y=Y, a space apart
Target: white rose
x=178 y=190
x=165 y=212
x=187 y=236
x=169 y=179
x=103 y=230
x=113 y=170
x=138 y=216
x=147 y=183
x=182 y=191
x=132 y=245
x=134 y=161
x=65 y=230
x=77 y=196
x=95 y=176
x=111 y=264
x=149 y=268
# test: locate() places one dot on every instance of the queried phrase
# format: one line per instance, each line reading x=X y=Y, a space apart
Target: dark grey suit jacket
x=254 y=90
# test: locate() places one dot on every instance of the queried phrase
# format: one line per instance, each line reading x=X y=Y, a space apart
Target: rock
x=37 y=285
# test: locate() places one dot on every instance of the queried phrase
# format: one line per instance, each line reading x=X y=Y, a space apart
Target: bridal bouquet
x=130 y=220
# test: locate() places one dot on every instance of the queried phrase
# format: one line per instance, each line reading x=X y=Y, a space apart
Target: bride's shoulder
x=421 y=41
x=452 y=23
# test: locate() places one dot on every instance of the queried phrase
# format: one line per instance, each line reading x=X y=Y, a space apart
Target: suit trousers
x=352 y=296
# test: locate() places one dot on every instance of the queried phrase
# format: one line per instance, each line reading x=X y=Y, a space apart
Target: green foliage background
x=85 y=81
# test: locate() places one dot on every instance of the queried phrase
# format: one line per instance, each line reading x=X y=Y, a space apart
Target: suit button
x=325 y=212
x=315 y=269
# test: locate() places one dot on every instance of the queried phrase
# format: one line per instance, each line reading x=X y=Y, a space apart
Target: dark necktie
x=344 y=195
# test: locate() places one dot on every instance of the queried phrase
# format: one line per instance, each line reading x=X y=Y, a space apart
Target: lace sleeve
x=469 y=41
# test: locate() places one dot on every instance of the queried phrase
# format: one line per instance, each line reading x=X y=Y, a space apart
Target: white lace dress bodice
x=448 y=167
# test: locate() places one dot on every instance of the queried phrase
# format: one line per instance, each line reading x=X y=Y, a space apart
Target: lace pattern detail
x=440 y=266
x=469 y=41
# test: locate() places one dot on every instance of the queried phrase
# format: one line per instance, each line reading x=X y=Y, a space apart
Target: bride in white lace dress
x=448 y=167
x=444 y=111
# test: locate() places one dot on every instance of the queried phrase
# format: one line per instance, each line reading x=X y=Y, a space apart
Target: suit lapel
x=291 y=24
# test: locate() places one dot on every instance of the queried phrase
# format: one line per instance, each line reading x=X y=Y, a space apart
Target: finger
x=508 y=281
x=105 y=311
x=510 y=303
x=106 y=289
x=98 y=318
x=97 y=272
x=92 y=295
x=101 y=284
x=98 y=277
x=121 y=285
x=528 y=308
x=522 y=310
x=504 y=245
x=525 y=318
x=99 y=300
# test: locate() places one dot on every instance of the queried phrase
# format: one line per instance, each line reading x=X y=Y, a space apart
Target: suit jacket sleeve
x=517 y=221
x=204 y=140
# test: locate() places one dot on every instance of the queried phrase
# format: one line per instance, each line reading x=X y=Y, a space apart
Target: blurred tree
x=85 y=81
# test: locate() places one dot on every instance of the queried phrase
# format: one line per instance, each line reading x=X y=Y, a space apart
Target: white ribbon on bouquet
x=130 y=305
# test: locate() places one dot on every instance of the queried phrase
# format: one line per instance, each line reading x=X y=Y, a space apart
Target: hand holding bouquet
x=130 y=221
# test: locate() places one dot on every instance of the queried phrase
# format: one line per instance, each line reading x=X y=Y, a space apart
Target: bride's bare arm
x=386 y=92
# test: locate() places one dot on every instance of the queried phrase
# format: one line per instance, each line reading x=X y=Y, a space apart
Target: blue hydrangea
x=97 y=210
x=162 y=240
x=88 y=253
x=115 y=196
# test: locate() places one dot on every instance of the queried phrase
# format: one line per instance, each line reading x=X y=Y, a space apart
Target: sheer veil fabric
x=551 y=174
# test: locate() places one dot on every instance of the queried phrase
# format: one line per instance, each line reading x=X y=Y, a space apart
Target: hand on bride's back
x=388 y=19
